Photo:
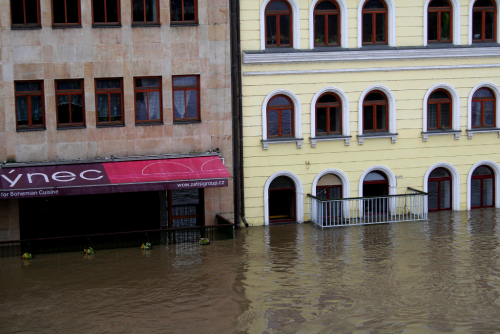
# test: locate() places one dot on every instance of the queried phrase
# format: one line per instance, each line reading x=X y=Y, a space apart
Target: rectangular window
x=148 y=104
x=185 y=208
x=186 y=91
x=65 y=13
x=109 y=101
x=70 y=103
x=25 y=13
x=145 y=12
x=106 y=12
x=30 y=105
x=184 y=11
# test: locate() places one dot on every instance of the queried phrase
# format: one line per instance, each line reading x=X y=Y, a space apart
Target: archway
x=439 y=188
x=282 y=194
x=375 y=184
x=482 y=188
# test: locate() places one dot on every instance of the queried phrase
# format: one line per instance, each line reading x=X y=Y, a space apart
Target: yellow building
x=350 y=98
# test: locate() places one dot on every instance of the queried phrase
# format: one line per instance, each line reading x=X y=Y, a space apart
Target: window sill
x=117 y=25
x=426 y=134
x=110 y=125
x=148 y=124
x=26 y=27
x=266 y=142
x=375 y=135
x=66 y=27
x=28 y=130
x=184 y=24
x=470 y=132
x=187 y=122
x=346 y=139
x=71 y=127
x=135 y=25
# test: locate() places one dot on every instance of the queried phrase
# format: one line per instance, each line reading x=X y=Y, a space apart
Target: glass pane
x=489 y=113
x=483 y=3
x=69 y=84
x=375 y=176
x=116 y=107
x=189 y=10
x=72 y=9
x=154 y=105
x=58 y=12
x=482 y=170
x=367 y=28
x=374 y=4
x=368 y=118
x=176 y=10
x=380 y=33
x=335 y=192
x=476 y=113
x=445 y=26
x=445 y=116
x=36 y=110
x=439 y=3
x=326 y=5
x=333 y=37
x=433 y=198
x=439 y=95
x=183 y=222
x=321 y=120
x=63 y=109
x=98 y=10
x=31 y=11
x=102 y=108
x=151 y=15
x=141 y=107
x=17 y=12
x=284 y=29
x=277 y=5
x=487 y=192
x=76 y=109
x=286 y=122
x=179 y=104
x=271 y=30
x=147 y=82
x=475 y=195
x=445 y=195
x=186 y=197
x=489 y=26
x=112 y=10
x=185 y=81
x=334 y=120
x=432 y=116
x=192 y=104
x=279 y=101
x=322 y=193
x=440 y=172
x=319 y=29
x=483 y=92
x=282 y=182
x=22 y=110
x=432 y=22
x=28 y=86
x=381 y=118
x=108 y=83
x=375 y=97
x=138 y=10
x=477 y=25
x=327 y=98
x=272 y=123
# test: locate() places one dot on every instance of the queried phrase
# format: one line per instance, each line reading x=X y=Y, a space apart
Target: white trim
x=346 y=189
x=495 y=90
x=471 y=8
x=496 y=171
x=455 y=183
x=299 y=195
x=368 y=55
x=343 y=22
x=455 y=100
x=345 y=109
x=391 y=178
x=295 y=23
x=456 y=21
x=391 y=24
x=391 y=100
x=297 y=111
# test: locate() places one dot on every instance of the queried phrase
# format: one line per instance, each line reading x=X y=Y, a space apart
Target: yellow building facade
x=427 y=69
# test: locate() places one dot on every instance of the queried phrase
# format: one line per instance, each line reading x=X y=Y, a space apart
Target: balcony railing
x=369 y=210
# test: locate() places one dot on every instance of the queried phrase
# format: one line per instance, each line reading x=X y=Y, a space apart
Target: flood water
x=440 y=276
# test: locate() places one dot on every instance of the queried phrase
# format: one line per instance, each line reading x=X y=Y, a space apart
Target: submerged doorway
x=482 y=188
x=375 y=184
x=282 y=200
x=439 y=190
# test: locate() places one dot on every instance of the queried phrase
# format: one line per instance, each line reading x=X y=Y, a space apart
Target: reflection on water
x=419 y=277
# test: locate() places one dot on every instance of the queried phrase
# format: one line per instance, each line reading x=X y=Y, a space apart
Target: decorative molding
x=425 y=135
x=455 y=101
x=391 y=112
x=456 y=21
x=343 y=23
x=471 y=8
x=295 y=24
x=297 y=114
x=470 y=132
x=265 y=143
x=346 y=139
x=455 y=183
x=496 y=170
x=299 y=195
x=393 y=136
x=496 y=91
x=344 y=100
x=390 y=177
x=252 y=58
x=391 y=22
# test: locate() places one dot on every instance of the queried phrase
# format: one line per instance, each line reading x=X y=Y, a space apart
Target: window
x=148 y=104
x=439 y=189
x=483 y=108
x=145 y=11
x=70 y=103
x=375 y=116
x=25 y=13
x=280 y=117
x=330 y=187
x=278 y=24
x=185 y=208
x=109 y=101
x=184 y=11
x=281 y=200
x=326 y=24
x=29 y=105
x=186 y=91
x=328 y=115
x=65 y=13
x=374 y=22
x=484 y=21
x=106 y=12
x=482 y=188
x=439 y=110
x=439 y=21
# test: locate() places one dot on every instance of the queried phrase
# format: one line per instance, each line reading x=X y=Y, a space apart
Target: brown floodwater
x=440 y=276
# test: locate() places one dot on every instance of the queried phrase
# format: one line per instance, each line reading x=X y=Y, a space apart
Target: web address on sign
x=201 y=184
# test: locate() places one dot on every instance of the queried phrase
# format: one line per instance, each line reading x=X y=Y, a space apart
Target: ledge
x=26 y=27
x=101 y=126
x=266 y=142
x=190 y=24
x=187 y=122
x=67 y=27
x=347 y=139
x=149 y=123
x=376 y=135
x=71 y=127
x=470 y=132
x=426 y=134
x=107 y=25
x=136 y=25
x=28 y=129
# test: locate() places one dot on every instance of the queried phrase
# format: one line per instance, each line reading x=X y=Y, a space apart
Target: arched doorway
x=282 y=200
x=482 y=188
x=330 y=187
x=439 y=189
x=376 y=184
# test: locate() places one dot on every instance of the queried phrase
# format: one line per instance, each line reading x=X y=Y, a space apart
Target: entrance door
x=439 y=189
x=482 y=188
x=185 y=208
x=330 y=187
x=282 y=200
x=375 y=184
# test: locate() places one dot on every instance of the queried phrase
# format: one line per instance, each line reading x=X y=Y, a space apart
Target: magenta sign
x=127 y=176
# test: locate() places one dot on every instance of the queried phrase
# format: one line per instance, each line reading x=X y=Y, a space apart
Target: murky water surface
x=421 y=277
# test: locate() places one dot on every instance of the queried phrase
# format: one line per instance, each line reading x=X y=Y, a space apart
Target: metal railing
x=368 y=210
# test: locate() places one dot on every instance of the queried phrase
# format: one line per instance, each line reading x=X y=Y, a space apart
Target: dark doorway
x=185 y=208
x=375 y=184
x=282 y=200
x=439 y=190
x=482 y=188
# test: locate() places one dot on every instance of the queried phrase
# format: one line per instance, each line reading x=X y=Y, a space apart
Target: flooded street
x=420 y=277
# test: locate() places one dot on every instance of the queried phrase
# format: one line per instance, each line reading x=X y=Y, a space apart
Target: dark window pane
x=76 y=109
x=432 y=190
x=189 y=10
x=63 y=109
x=483 y=92
x=109 y=83
x=374 y=4
x=179 y=104
x=477 y=25
x=286 y=122
x=326 y=5
x=185 y=81
x=102 y=108
x=22 y=110
x=440 y=172
x=176 y=10
x=432 y=22
x=445 y=116
x=284 y=29
x=72 y=10
x=321 y=120
x=482 y=170
x=151 y=14
x=279 y=101
x=484 y=3
x=116 y=107
x=58 y=12
x=192 y=103
x=185 y=197
x=141 y=107
x=319 y=29
x=277 y=5
x=112 y=10
x=327 y=98
x=98 y=8
x=31 y=11
x=487 y=192
x=380 y=33
x=368 y=118
x=367 y=28
x=281 y=183
x=489 y=26
x=432 y=116
x=272 y=123
x=28 y=86
x=381 y=118
x=445 y=194
x=475 y=195
x=439 y=3
x=476 y=113
x=439 y=95
x=36 y=110
x=375 y=97
x=445 y=26
x=334 y=120
x=333 y=30
x=147 y=82
x=489 y=113
x=138 y=10
x=17 y=11
x=69 y=84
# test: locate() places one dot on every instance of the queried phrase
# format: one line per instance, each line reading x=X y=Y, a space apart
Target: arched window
x=482 y=188
x=440 y=22
x=328 y=115
x=329 y=187
x=483 y=108
x=280 y=117
x=484 y=21
x=278 y=24
x=439 y=109
x=439 y=190
x=326 y=24
x=281 y=200
x=375 y=115
x=374 y=22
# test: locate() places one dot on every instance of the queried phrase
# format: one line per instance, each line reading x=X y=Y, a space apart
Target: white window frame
x=456 y=21
x=295 y=23
x=471 y=9
x=391 y=22
x=343 y=22
x=455 y=111
x=496 y=91
x=299 y=195
x=496 y=171
x=455 y=184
